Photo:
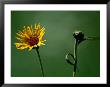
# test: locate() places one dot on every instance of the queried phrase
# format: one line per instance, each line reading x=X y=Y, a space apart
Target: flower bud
x=78 y=35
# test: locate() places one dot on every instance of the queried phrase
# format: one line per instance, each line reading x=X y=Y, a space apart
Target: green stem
x=41 y=66
x=75 y=57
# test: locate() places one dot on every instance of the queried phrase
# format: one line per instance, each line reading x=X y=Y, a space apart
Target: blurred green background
x=59 y=26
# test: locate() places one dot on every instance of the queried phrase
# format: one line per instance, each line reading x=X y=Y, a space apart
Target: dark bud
x=79 y=36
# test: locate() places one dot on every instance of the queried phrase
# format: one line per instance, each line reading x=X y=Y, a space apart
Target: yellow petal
x=43 y=40
x=18 y=38
x=19 y=35
x=38 y=26
x=30 y=48
x=42 y=43
x=21 y=46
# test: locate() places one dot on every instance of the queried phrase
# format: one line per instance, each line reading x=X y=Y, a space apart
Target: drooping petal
x=30 y=48
x=21 y=46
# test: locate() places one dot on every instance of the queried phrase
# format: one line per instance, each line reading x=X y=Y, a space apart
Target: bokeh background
x=59 y=26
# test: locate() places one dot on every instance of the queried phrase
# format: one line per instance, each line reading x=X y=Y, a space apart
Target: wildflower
x=30 y=38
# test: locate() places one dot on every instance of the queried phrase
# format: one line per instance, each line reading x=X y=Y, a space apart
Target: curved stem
x=75 y=48
x=75 y=56
x=41 y=66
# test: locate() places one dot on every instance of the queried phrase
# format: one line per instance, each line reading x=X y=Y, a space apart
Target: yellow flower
x=30 y=37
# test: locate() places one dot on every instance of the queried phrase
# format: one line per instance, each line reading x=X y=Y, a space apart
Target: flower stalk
x=31 y=37
x=79 y=37
x=40 y=61
x=75 y=57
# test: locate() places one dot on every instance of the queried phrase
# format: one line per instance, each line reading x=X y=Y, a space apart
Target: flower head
x=79 y=36
x=30 y=38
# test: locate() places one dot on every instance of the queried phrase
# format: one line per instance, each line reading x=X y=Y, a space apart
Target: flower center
x=33 y=41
